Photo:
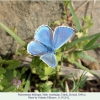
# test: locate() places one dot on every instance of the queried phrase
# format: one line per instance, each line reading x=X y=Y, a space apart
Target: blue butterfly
x=47 y=42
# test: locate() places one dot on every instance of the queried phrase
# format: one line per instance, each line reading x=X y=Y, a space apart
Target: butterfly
x=47 y=42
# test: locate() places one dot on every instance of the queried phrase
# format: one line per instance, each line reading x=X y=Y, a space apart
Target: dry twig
x=78 y=72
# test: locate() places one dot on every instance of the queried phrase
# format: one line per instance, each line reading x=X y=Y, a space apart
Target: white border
x=62 y=95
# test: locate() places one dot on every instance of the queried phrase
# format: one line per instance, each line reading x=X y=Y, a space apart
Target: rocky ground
x=26 y=17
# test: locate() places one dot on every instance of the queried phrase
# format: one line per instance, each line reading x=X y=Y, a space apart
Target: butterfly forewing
x=36 y=48
x=61 y=36
x=44 y=35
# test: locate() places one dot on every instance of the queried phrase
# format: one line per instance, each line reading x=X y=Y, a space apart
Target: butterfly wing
x=36 y=48
x=44 y=35
x=61 y=36
x=49 y=59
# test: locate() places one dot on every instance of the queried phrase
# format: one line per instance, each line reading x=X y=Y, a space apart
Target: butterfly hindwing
x=49 y=59
x=36 y=48
x=44 y=35
x=61 y=36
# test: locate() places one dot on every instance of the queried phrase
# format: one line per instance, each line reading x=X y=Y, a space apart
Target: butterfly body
x=49 y=49
x=45 y=45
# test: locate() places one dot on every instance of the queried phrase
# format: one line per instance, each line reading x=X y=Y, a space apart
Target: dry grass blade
x=94 y=2
x=67 y=87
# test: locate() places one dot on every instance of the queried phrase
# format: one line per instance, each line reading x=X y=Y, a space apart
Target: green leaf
x=81 y=39
x=9 y=75
x=59 y=56
x=74 y=82
x=43 y=77
x=44 y=87
x=4 y=82
x=27 y=85
x=12 y=64
x=85 y=56
x=76 y=21
x=91 y=42
x=24 y=69
x=35 y=62
x=48 y=70
x=97 y=45
x=65 y=78
x=18 y=39
x=88 y=21
x=2 y=70
x=49 y=83
x=1 y=88
x=65 y=3
x=56 y=90
x=16 y=73
x=9 y=89
x=80 y=83
x=1 y=61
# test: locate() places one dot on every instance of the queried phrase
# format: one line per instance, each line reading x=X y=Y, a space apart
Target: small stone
x=93 y=66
